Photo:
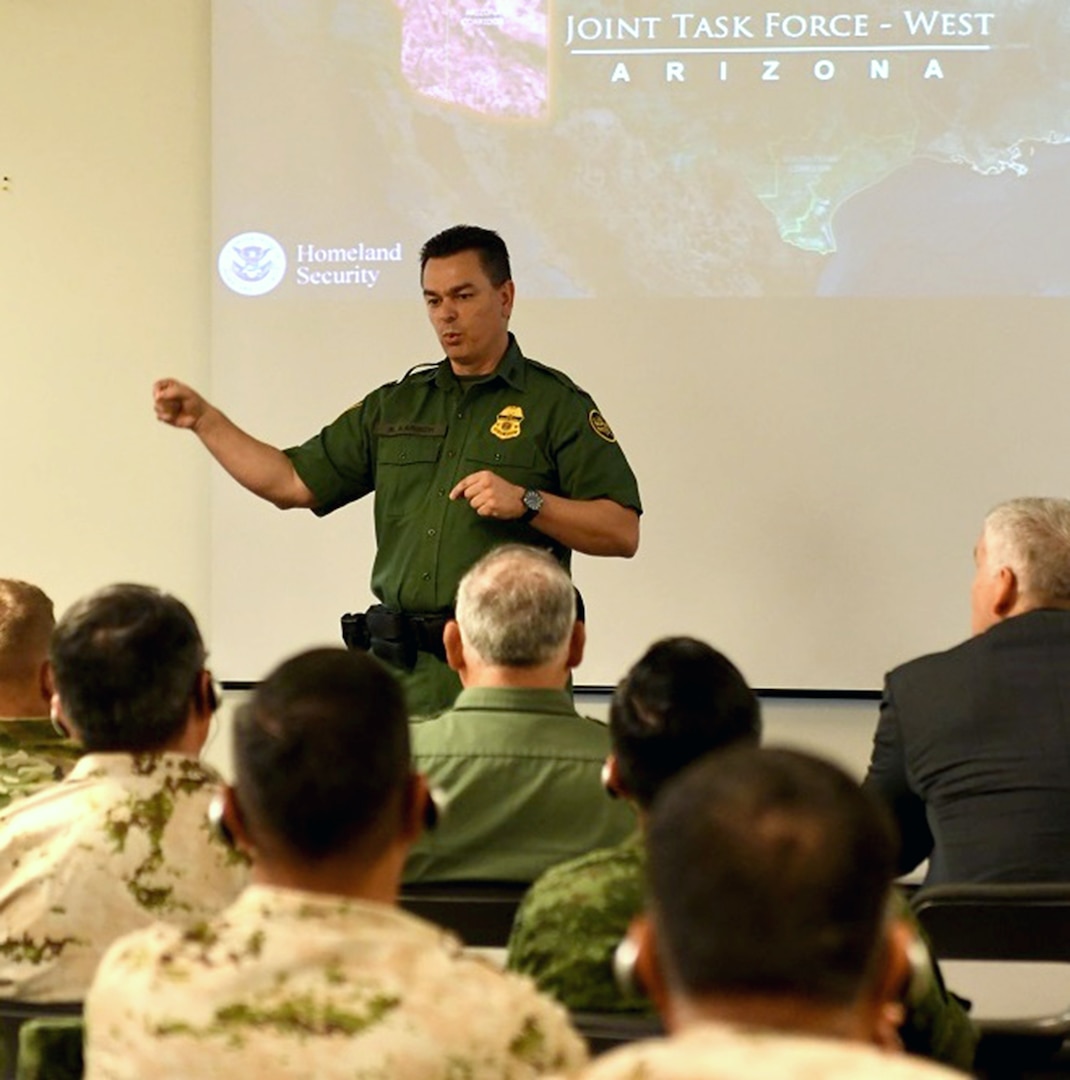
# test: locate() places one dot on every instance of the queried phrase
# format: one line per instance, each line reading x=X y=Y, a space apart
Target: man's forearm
x=262 y=469
x=592 y=527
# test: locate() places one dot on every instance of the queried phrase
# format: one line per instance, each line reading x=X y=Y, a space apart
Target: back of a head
x=487 y=244
x=516 y=607
x=126 y=662
x=1032 y=537
x=26 y=623
x=321 y=755
x=680 y=700
x=769 y=873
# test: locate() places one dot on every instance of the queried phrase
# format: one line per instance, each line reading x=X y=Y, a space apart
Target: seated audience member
x=32 y=754
x=517 y=764
x=123 y=840
x=314 y=971
x=680 y=701
x=769 y=946
x=972 y=751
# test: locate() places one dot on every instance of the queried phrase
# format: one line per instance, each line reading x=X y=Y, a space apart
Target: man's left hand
x=490 y=496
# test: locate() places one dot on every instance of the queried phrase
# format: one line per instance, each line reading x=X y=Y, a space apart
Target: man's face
x=983 y=592
x=469 y=314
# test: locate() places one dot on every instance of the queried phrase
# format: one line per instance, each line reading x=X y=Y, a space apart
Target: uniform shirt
x=413 y=440
x=520 y=770
x=572 y=919
x=32 y=757
x=722 y=1052
x=121 y=842
x=287 y=983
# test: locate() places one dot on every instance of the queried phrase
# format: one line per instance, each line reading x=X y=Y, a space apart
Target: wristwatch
x=532 y=501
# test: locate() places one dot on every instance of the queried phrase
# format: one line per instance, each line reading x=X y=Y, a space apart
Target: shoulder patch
x=600 y=427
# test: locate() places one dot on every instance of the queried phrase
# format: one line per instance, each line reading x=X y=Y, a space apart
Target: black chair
x=604 y=1030
x=1011 y=925
x=14 y=1014
x=480 y=913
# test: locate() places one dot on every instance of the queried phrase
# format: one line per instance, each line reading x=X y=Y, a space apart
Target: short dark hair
x=321 y=753
x=769 y=872
x=125 y=661
x=680 y=700
x=493 y=254
x=26 y=623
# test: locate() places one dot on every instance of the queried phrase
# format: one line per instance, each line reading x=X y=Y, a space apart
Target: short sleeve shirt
x=413 y=440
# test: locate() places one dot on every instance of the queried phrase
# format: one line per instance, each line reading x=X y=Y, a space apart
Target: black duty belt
x=396 y=636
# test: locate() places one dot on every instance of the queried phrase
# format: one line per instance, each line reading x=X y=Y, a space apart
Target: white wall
x=103 y=240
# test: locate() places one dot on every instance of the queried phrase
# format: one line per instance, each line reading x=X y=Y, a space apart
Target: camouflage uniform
x=32 y=757
x=287 y=983
x=121 y=842
x=574 y=916
x=730 y=1053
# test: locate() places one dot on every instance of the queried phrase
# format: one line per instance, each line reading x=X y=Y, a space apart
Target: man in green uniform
x=482 y=448
x=32 y=754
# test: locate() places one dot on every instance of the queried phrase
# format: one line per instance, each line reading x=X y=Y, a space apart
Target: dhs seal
x=252 y=263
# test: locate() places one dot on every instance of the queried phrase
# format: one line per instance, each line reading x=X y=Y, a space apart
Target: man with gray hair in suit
x=518 y=766
x=972 y=751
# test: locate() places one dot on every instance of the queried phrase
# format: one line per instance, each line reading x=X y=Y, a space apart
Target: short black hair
x=769 y=873
x=126 y=661
x=321 y=753
x=679 y=701
x=493 y=254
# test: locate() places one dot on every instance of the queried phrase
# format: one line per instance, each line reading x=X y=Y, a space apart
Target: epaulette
x=560 y=376
x=425 y=368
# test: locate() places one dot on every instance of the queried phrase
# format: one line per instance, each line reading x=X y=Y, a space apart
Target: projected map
x=648 y=150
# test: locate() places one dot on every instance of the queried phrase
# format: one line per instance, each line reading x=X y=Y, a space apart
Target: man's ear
x=415 y=812
x=903 y=965
x=577 y=643
x=611 y=778
x=60 y=724
x=648 y=974
x=46 y=682
x=228 y=822
x=451 y=639
x=507 y=294
x=1007 y=593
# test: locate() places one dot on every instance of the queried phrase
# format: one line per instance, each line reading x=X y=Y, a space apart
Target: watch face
x=532 y=500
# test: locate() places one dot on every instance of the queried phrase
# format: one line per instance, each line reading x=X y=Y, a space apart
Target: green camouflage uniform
x=575 y=915
x=721 y=1052
x=121 y=842
x=32 y=757
x=286 y=983
x=411 y=441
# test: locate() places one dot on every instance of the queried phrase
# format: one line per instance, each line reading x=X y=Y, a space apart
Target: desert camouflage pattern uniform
x=122 y=842
x=32 y=757
x=574 y=916
x=288 y=983
x=720 y=1052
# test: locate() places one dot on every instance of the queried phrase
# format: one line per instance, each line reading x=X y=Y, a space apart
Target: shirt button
x=451 y=453
x=497 y=457
x=430 y=532
x=460 y=416
x=441 y=492
x=426 y=576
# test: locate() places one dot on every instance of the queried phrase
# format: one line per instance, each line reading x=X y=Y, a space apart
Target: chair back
x=14 y=1014
x=480 y=913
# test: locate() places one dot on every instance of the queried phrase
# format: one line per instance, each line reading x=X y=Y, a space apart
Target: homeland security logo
x=252 y=263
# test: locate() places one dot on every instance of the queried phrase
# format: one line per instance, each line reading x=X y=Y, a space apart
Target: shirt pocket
x=405 y=472
x=518 y=462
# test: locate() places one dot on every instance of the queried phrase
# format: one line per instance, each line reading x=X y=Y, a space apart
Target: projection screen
x=810 y=259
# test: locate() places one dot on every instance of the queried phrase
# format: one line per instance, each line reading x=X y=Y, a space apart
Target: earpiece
x=217 y=822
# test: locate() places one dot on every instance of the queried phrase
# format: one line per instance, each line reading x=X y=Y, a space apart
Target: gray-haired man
x=973 y=747
x=518 y=765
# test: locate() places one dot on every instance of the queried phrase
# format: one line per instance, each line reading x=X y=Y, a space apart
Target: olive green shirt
x=32 y=756
x=411 y=441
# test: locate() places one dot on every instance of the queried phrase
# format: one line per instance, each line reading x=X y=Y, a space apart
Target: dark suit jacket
x=972 y=753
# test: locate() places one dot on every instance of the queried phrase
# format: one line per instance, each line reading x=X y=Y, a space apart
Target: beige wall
x=104 y=222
